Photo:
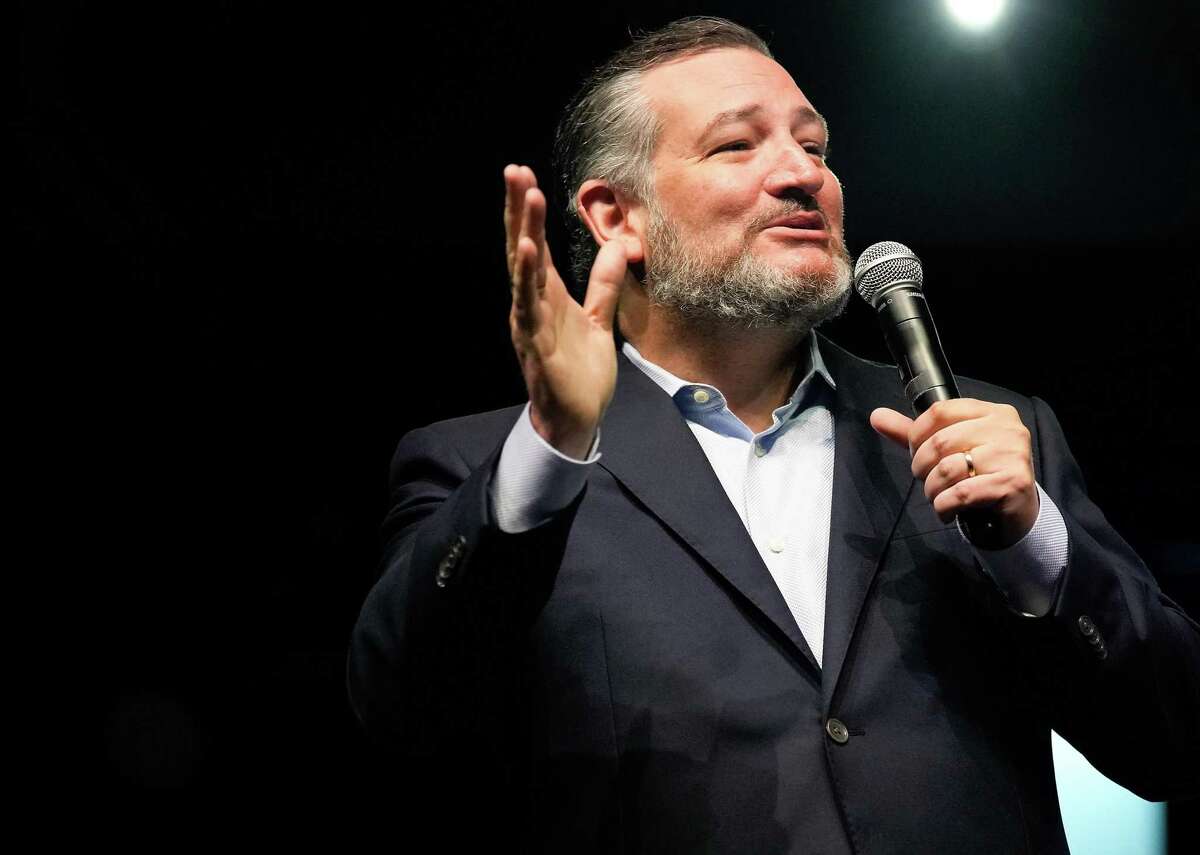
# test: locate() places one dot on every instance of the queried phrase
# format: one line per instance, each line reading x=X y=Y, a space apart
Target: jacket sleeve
x=435 y=654
x=1116 y=661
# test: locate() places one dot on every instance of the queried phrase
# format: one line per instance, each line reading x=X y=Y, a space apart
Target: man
x=708 y=594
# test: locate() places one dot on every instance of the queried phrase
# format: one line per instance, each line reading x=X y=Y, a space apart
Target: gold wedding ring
x=971 y=473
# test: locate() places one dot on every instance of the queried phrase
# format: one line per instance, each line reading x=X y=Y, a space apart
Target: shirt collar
x=705 y=405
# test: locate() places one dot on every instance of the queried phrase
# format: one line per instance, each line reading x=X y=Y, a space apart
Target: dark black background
x=259 y=242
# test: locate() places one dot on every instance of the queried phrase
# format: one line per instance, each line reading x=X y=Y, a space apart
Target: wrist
x=571 y=438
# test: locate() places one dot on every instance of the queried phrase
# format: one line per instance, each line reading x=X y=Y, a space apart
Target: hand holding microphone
x=975 y=457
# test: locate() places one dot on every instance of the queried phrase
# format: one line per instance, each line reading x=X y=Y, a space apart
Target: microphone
x=888 y=276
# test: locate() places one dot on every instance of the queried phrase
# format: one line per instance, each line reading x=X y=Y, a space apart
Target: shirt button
x=700 y=396
x=759 y=450
x=1086 y=627
x=775 y=544
x=837 y=731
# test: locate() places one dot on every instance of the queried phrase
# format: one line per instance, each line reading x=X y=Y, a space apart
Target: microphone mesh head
x=883 y=264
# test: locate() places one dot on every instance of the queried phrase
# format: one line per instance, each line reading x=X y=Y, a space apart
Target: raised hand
x=998 y=474
x=566 y=350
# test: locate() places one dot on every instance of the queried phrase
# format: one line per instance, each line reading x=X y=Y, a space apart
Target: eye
x=821 y=151
x=737 y=145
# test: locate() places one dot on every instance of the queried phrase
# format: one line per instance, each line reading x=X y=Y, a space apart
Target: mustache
x=787 y=207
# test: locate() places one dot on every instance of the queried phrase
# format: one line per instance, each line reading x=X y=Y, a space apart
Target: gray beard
x=742 y=291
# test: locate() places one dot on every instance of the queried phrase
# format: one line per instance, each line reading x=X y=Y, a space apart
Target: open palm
x=565 y=349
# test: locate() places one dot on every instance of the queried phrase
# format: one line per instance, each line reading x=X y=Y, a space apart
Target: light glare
x=975 y=14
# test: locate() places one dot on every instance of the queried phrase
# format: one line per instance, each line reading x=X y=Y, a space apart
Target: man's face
x=746 y=223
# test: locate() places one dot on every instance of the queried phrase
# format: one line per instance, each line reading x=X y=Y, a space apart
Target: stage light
x=975 y=15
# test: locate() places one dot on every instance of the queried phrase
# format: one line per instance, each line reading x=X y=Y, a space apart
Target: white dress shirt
x=780 y=482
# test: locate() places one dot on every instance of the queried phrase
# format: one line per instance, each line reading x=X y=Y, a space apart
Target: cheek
x=830 y=197
x=715 y=205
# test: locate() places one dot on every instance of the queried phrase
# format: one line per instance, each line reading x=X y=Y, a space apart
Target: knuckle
x=941 y=443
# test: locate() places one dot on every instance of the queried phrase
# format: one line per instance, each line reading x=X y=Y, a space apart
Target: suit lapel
x=648 y=447
x=871 y=481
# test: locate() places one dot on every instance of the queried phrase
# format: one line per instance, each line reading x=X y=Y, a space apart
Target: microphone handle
x=913 y=341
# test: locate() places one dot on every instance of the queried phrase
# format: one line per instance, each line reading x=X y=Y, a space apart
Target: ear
x=612 y=215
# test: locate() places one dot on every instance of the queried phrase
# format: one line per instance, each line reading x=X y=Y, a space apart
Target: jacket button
x=449 y=561
x=837 y=731
x=1086 y=626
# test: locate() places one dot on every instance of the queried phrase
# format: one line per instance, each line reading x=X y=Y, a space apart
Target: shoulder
x=470 y=438
x=969 y=387
x=876 y=382
x=465 y=430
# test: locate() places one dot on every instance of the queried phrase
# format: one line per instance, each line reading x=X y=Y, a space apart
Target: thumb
x=891 y=425
x=604 y=284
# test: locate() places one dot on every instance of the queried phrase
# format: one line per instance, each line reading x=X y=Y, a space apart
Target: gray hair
x=609 y=129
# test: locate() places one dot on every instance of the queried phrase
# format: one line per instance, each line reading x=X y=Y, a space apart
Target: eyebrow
x=741 y=114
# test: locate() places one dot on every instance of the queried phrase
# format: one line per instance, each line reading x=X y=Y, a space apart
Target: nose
x=795 y=169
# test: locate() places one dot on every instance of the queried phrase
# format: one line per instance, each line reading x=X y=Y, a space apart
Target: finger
x=943 y=413
x=953 y=468
x=982 y=491
x=516 y=183
x=604 y=284
x=524 y=288
x=534 y=227
x=952 y=439
x=891 y=425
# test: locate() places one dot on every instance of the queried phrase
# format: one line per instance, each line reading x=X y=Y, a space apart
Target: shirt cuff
x=533 y=479
x=1028 y=572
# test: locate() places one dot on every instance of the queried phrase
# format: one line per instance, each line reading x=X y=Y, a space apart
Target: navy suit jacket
x=636 y=665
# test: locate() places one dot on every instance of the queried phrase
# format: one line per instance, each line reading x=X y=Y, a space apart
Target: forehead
x=688 y=93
